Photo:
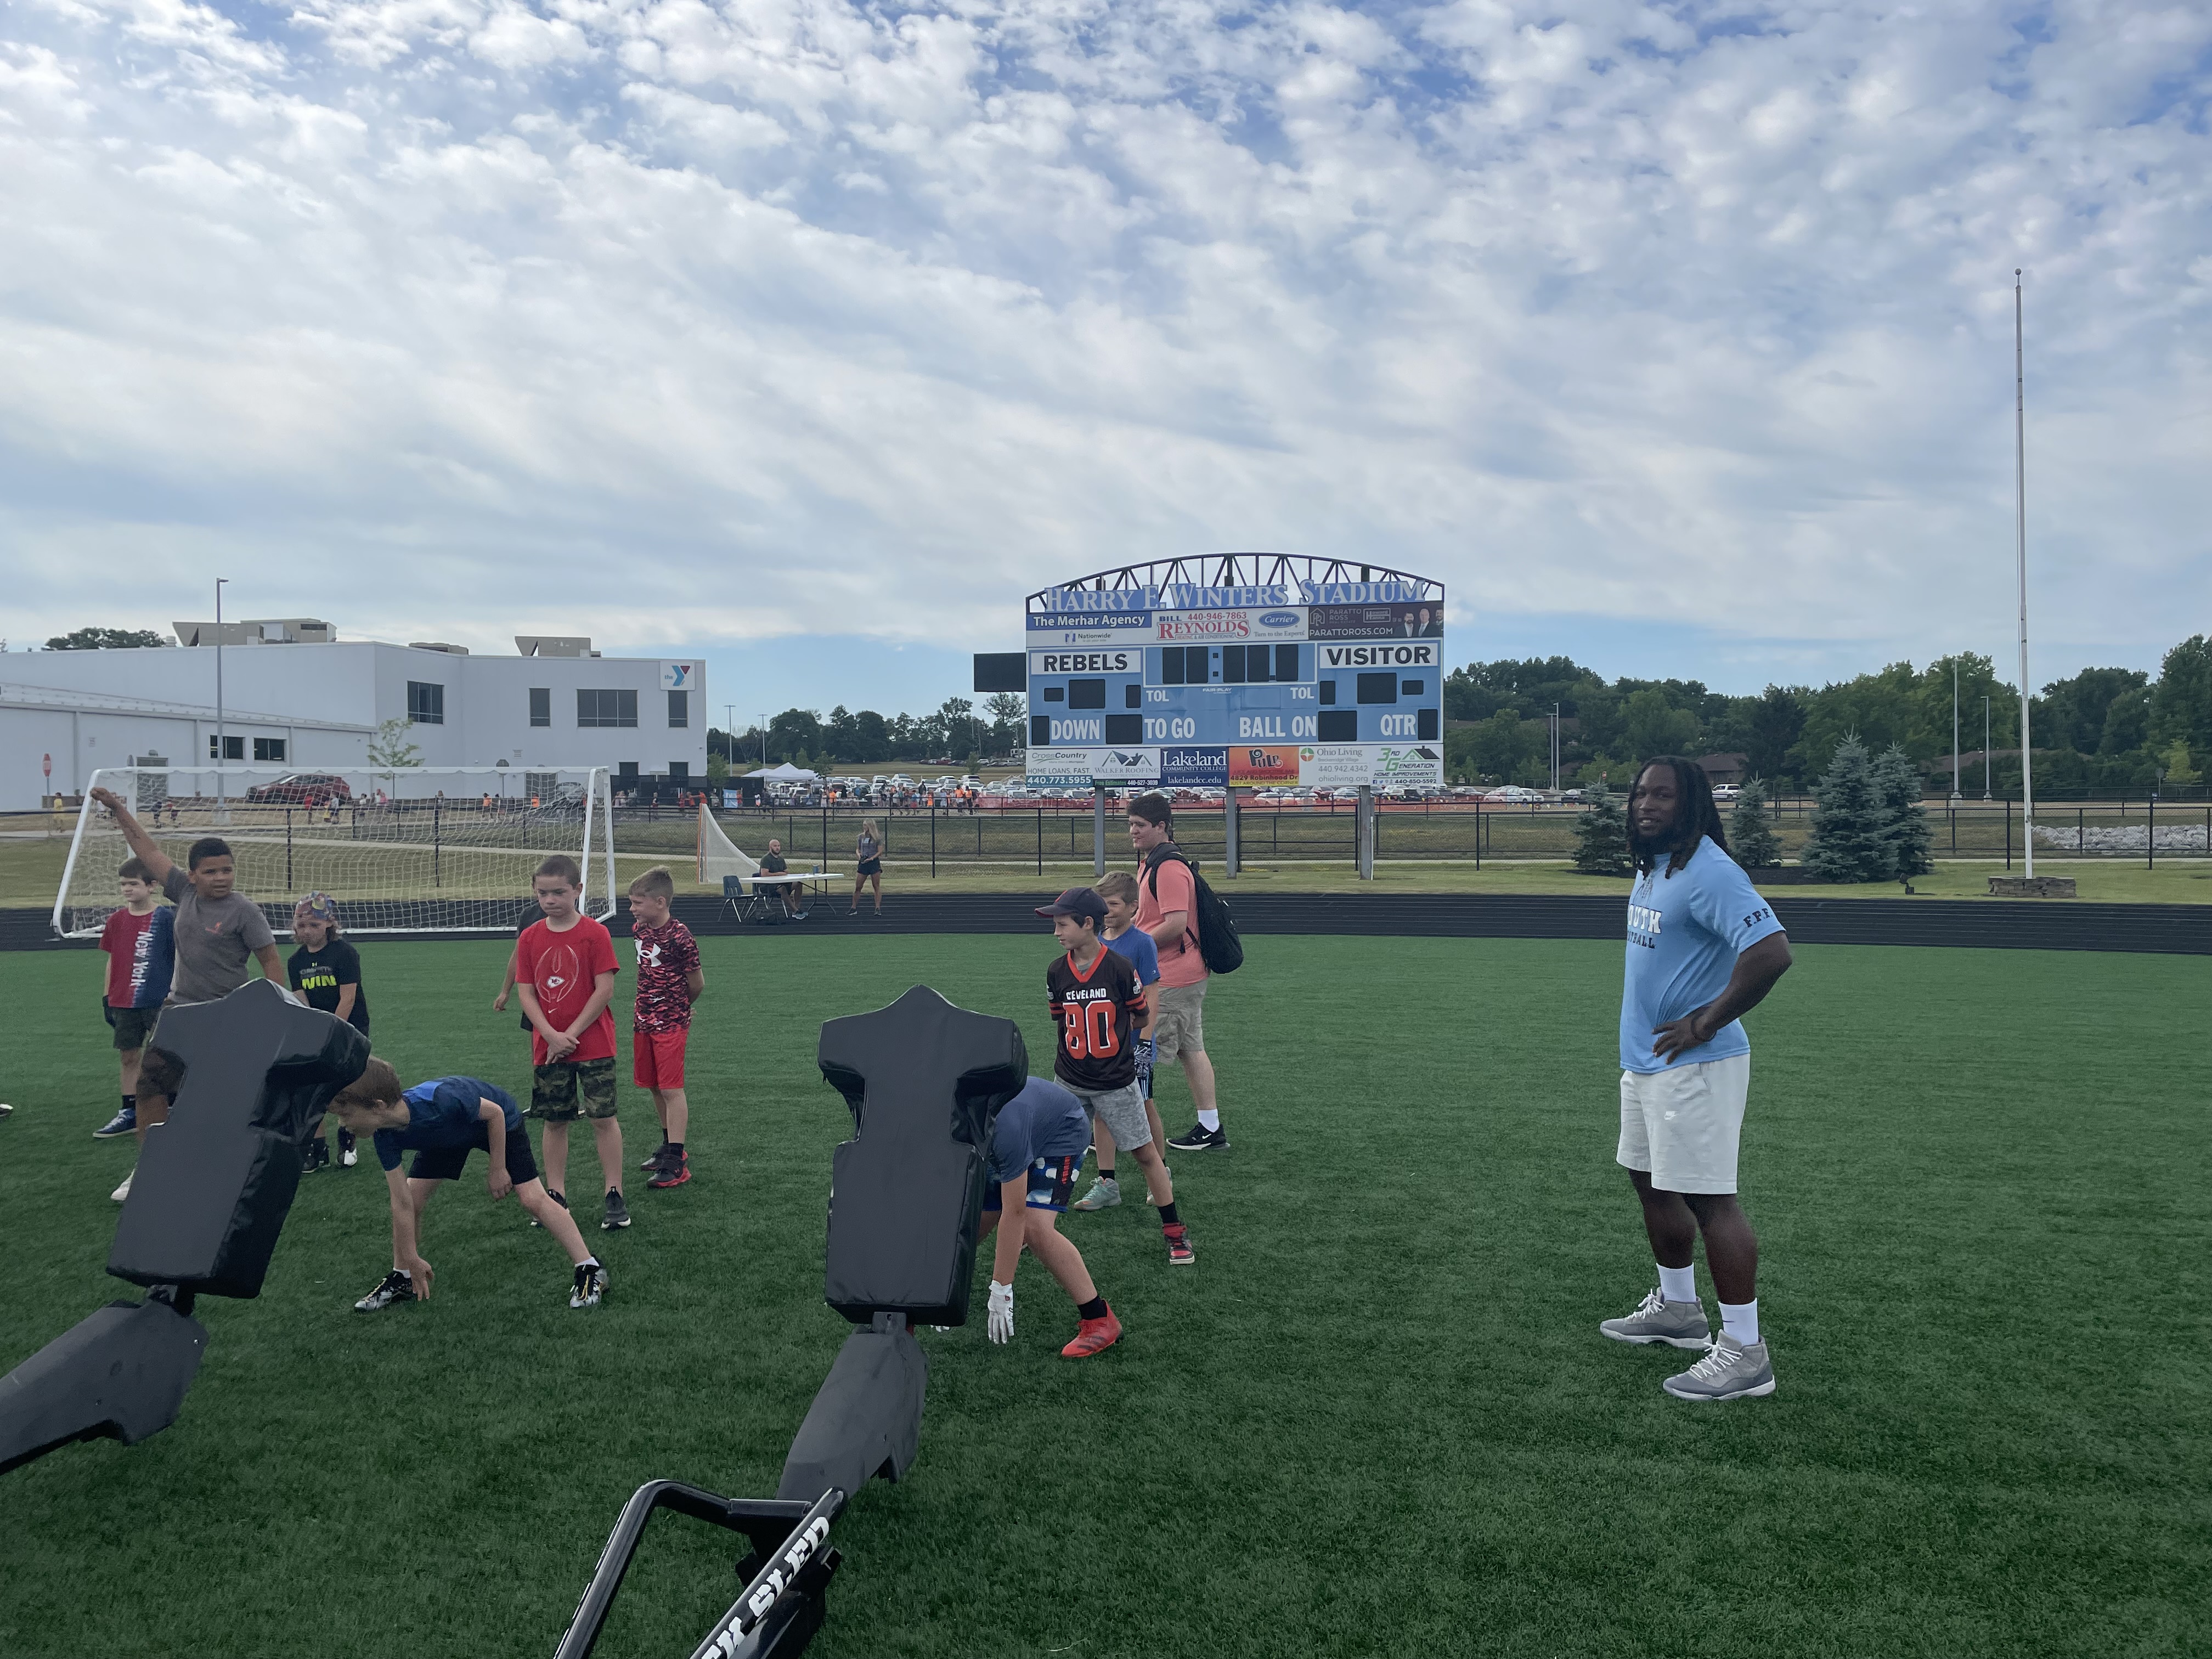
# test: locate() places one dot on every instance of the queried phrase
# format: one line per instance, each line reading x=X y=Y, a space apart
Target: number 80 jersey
x=1098 y=1013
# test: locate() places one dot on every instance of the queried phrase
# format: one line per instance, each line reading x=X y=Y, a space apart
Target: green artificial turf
x=1376 y=1417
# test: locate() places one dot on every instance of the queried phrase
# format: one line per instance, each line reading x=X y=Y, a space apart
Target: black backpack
x=1219 y=946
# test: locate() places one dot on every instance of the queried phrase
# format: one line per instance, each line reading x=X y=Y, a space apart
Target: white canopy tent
x=786 y=773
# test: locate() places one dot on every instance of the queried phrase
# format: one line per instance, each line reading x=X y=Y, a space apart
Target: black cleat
x=591 y=1285
x=617 y=1213
x=397 y=1287
x=557 y=1199
x=1200 y=1139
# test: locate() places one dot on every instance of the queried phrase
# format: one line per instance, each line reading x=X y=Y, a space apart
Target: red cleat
x=674 y=1173
x=1091 y=1335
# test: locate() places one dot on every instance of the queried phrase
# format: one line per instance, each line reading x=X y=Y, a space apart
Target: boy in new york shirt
x=564 y=972
x=669 y=981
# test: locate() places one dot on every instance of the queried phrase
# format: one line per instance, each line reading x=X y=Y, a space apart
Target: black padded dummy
x=925 y=1081
x=215 y=1183
x=213 y=1186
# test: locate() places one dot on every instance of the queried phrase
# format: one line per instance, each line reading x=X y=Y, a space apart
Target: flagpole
x=2019 y=508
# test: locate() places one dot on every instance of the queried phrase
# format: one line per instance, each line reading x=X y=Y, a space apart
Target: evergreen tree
x=1898 y=781
x=1851 y=840
x=1751 y=832
x=1601 y=835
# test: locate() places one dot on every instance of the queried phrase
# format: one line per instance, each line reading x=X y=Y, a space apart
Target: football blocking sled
x=212 y=1187
x=925 y=1081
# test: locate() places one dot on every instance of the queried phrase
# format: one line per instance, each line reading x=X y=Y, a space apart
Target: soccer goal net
x=405 y=850
x=720 y=856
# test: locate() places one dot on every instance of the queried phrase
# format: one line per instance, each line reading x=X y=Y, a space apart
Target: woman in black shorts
x=869 y=849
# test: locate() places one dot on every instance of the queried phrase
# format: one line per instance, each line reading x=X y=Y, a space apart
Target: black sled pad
x=925 y=1081
x=865 y=1419
x=122 y=1372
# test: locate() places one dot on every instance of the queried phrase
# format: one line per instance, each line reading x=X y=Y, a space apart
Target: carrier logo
x=1280 y=619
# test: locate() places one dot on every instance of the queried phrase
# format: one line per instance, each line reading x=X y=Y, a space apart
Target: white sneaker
x=123 y=1191
x=1730 y=1370
x=349 y=1157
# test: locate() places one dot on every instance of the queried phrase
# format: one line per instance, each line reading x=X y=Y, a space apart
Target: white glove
x=1002 y=1311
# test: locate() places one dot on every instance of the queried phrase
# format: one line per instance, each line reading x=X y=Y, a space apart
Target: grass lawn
x=1376 y=1417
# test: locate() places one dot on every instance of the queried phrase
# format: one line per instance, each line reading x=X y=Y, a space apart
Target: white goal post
x=419 y=849
x=719 y=856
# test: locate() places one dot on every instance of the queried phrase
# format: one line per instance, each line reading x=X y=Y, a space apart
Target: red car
x=302 y=789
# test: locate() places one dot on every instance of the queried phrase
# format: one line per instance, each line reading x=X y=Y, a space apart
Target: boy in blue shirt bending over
x=442 y=1121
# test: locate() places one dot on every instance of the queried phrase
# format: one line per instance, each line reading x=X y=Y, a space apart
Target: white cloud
x=441 y=316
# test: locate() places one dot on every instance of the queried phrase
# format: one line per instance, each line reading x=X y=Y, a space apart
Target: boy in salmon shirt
x=564 y=972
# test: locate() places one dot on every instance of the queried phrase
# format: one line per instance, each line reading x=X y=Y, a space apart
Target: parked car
x=302 y=789
x=1725 y=792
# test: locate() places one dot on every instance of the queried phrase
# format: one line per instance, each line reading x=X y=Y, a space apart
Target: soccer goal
x=407 y=850
x=720 y=856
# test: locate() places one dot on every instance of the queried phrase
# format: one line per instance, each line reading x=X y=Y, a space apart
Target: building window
x=679 y=771
x=541 y=705
x=606 y=708
x=269 y=748
x=232 y=748
x=425 y=703
x=679 y=709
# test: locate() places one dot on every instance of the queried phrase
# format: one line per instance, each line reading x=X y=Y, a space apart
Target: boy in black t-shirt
x=325 y=973
x=1100 y=1005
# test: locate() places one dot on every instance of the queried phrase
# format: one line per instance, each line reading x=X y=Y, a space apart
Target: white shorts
x=1683 y=1126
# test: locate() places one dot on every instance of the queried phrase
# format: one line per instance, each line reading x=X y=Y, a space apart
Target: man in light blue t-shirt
x=1703 y=948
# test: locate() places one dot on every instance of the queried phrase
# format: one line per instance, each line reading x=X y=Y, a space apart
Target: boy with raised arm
x=1037 y=1147
x=442 y=1121
x=1098 y=1003
x=564 y=972
x=217 y=931
x=669 y=981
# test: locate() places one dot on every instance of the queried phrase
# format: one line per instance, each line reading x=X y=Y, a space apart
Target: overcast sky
x=810 y=336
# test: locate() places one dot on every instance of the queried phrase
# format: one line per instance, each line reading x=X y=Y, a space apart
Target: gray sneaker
x=1730 y=1370
x=1104 y=1194
x=1677 y=1324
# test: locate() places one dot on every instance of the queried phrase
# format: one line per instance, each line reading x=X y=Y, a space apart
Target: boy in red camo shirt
x=564 y=972
x=669 y=981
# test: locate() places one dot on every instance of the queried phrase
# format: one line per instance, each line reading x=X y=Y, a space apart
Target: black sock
x=676 y=1147
x=1105 y=1173
x=1168 y=1216
x=130 y=1102
x=1094 y=1308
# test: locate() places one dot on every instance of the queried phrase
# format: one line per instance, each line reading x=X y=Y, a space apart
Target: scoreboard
x=1321 y=684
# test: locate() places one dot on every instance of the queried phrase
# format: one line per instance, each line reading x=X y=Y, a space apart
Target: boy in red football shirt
x=564 y=972
x=128 y=939
x=669 y=981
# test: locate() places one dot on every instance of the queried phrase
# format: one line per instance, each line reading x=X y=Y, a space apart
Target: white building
x=289 y=702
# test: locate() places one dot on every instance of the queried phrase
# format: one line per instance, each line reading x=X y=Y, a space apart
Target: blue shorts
x=1051 y=1180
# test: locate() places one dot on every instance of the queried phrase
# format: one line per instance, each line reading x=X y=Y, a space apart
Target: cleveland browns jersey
x=1099 y=1012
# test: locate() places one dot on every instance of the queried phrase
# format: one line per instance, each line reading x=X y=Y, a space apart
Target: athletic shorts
x=872 y=866
x=132 y=1026
x=657 y=1058
x=555 y=1088
x=1051 y=1180
x=1178 y=1020
x=1683 y=1126
x=1122 y=1111
x=445 y=1163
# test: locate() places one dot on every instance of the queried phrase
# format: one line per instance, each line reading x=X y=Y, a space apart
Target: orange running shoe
x=1091 y=1335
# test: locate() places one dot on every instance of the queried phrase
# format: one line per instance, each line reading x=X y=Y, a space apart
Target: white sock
x=1679 y=1283
x=1209 y=1120
x=1741 y=1321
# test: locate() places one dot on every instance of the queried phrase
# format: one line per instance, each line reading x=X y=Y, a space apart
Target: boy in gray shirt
x=218 y=931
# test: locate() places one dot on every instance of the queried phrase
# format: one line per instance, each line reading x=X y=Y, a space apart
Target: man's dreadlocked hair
x=1695 y=817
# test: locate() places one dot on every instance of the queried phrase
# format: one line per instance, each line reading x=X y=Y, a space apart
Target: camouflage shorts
x=553 y=1090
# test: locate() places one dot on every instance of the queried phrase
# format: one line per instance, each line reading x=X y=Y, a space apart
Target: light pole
x=222 y=806
x=1954 y=728
x=1985 y=748
x=1555 y=749
x=2020 y=479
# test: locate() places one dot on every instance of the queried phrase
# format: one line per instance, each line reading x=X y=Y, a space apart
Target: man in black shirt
x=1099 y=1005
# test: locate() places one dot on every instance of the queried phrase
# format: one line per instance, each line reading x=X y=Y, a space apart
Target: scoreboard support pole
x=1098 y=830
x=1365 y=837
x=1232 y=852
